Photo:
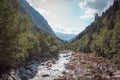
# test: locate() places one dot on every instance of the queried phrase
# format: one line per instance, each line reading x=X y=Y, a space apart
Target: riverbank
x=28 y=70
x=90 y=67
x=40 y=69
x=68 y=66
x=51 y=71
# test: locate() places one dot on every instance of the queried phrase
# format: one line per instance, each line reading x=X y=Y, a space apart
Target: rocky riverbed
x=90 y=67
x=69 y=66
x=40 y=69
x=52 y=70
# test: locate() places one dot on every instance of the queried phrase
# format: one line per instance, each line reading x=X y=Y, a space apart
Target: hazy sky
x=70 y=16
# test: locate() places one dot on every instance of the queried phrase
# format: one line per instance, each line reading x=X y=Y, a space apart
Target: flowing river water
x=56 y=69
x=44 y=69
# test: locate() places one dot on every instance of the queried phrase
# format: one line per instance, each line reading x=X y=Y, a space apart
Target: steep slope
x=18 y=42
x=37 y=19
x=65 y=37
x=102 y=37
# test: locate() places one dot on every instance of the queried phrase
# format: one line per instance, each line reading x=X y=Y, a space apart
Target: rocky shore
x=90 y=67
x=40 y=69
x=28 y=71
x=69 y=66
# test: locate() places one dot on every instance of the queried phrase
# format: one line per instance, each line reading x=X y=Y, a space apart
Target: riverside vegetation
x=19 y=43
x=101 y=37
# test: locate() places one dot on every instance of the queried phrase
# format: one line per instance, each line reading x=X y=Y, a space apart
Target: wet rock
x=48 y=69
x=24 y=75
x=11 y=75
x=45 y=75
x=63 y=72
x=66 y=55
x=29 y=72
x=32 y=67
x=42 y=64
x=22 y=69
x=11 y=78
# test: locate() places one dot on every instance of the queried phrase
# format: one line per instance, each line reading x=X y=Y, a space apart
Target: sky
x=70 y=16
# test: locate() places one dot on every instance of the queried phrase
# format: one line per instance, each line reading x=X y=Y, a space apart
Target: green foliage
x=54 y=49
x=43 y=42
x=44 y=45
x=102 y=37
x=18 y=43
x=15 y=34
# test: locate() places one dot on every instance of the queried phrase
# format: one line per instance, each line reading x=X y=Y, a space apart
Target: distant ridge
x=64 y=36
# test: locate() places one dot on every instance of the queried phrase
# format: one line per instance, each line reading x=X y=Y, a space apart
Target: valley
x=38 y=40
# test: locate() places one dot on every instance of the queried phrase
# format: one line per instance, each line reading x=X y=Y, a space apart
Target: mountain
x=102 y=37
x=19 y=43
x=38 y=21
x=63 y=36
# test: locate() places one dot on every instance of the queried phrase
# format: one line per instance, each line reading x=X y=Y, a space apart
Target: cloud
x=101 y=5
x=43 y=11
x=85 y=2
x=109 y=3
x=91 y=7
x=30 y=2
x=82 y=4
x=88 y=12
x=86 y=16
x=67 y=16
x=40 y=9
x=43 y=1
x=65 y=30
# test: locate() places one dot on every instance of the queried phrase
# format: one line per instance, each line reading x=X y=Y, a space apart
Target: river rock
x=29 y=72
x=11 y=75
x=63 y=72
x=22 y=69
x=45 y=75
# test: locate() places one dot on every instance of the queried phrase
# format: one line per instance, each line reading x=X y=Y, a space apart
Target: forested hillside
x=102 y=37
x=38 y=21
x=29 y=49
x=18 y=42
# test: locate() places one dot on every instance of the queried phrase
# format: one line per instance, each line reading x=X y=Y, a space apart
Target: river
x=56 y=69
